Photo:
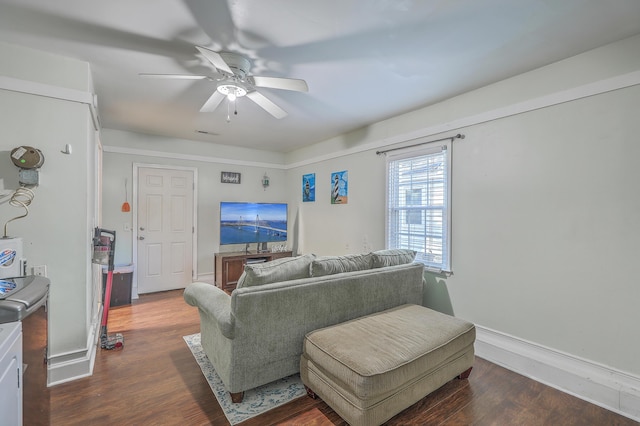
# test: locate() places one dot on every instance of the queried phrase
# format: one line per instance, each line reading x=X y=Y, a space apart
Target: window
x=418 y=213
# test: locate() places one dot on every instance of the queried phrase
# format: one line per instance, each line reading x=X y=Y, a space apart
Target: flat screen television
x=243 y=223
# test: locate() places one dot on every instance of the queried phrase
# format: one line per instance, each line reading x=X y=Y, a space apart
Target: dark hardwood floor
x=155 y=380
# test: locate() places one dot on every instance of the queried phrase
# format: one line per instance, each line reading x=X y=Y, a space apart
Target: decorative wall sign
x=229 y=177
x=339 y=187
x=309 y=187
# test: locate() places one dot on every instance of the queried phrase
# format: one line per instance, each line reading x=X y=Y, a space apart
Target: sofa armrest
x=214 y=303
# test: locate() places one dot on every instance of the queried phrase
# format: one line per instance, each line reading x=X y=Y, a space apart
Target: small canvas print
x=339 y=187
x=309 y=187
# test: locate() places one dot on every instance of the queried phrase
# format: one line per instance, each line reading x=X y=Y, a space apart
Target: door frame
x=134 y=209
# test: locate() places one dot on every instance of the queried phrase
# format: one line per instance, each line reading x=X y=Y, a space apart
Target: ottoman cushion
x=377 y=357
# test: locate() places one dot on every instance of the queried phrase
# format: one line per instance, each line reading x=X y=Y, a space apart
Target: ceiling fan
x=236 y=82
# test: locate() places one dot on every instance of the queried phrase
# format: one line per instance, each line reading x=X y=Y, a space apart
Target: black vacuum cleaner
x=104 y=244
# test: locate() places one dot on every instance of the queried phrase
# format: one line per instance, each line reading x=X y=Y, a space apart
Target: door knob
x=142 y=228
x=141 y=238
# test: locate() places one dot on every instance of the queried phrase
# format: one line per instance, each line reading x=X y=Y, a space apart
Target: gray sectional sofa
x=254 y=336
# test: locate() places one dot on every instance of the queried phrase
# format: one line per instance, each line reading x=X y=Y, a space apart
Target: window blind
x=418 y=205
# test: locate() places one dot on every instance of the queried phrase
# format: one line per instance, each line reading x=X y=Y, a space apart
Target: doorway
x=164 y=227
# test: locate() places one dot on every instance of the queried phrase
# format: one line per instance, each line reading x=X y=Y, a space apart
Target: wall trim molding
x=598 y=384
x=46 y=90
x=190 y=157
x=54 y=92
x=68 y=366
x=544 y=101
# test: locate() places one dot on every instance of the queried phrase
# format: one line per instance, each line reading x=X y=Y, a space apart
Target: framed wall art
x=229 y=177
x=339 y=187
x=309 y=187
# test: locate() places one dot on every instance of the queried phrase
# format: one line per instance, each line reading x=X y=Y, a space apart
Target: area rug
x=256 y=401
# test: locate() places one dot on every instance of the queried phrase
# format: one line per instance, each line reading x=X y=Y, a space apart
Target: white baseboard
x=74 y=365
x=598 y=384
x=207 y=278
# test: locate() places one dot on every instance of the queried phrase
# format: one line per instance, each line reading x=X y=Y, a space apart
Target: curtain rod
x=458 y=136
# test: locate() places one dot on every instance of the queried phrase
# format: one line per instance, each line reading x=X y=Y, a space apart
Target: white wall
x=545 y=229
x=56 y=233
x=545 y=202
x=330 y=229
x=123 y=149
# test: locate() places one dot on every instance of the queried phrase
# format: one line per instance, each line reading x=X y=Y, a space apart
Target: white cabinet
x=11 y=373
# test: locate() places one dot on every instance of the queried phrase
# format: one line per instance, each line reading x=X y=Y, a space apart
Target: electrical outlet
x=40 y=270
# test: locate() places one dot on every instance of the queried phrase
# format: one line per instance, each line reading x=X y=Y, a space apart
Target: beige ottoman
x=371 y=368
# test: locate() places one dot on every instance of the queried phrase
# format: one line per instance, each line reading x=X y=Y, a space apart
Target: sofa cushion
x=392 y=257
x=285 y=269
x=328 y=265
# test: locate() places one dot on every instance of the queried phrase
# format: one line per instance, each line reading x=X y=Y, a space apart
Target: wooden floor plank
x=155 y=380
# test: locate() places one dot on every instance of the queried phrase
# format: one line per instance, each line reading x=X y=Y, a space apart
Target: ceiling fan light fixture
x=232 y=90
x=234 y=82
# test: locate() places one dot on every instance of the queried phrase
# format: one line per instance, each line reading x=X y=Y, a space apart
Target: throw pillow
x=327 y=265
x=392 y=257
x=287 y=268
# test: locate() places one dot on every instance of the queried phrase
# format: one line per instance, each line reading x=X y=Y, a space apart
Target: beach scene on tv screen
x=242 y=223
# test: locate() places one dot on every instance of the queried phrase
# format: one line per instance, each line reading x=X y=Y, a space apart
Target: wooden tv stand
x=229 y=266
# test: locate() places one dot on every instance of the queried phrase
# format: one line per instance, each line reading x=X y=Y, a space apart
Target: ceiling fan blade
x=215 y=59
x=173 y=76
x=213 y=102
x=267 y=105
x=281 y=83
x=215 y=19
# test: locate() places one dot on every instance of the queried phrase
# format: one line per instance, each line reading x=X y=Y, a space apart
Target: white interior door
x=165 y=229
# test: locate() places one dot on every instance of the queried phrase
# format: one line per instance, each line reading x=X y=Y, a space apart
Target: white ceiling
x=364 y=60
